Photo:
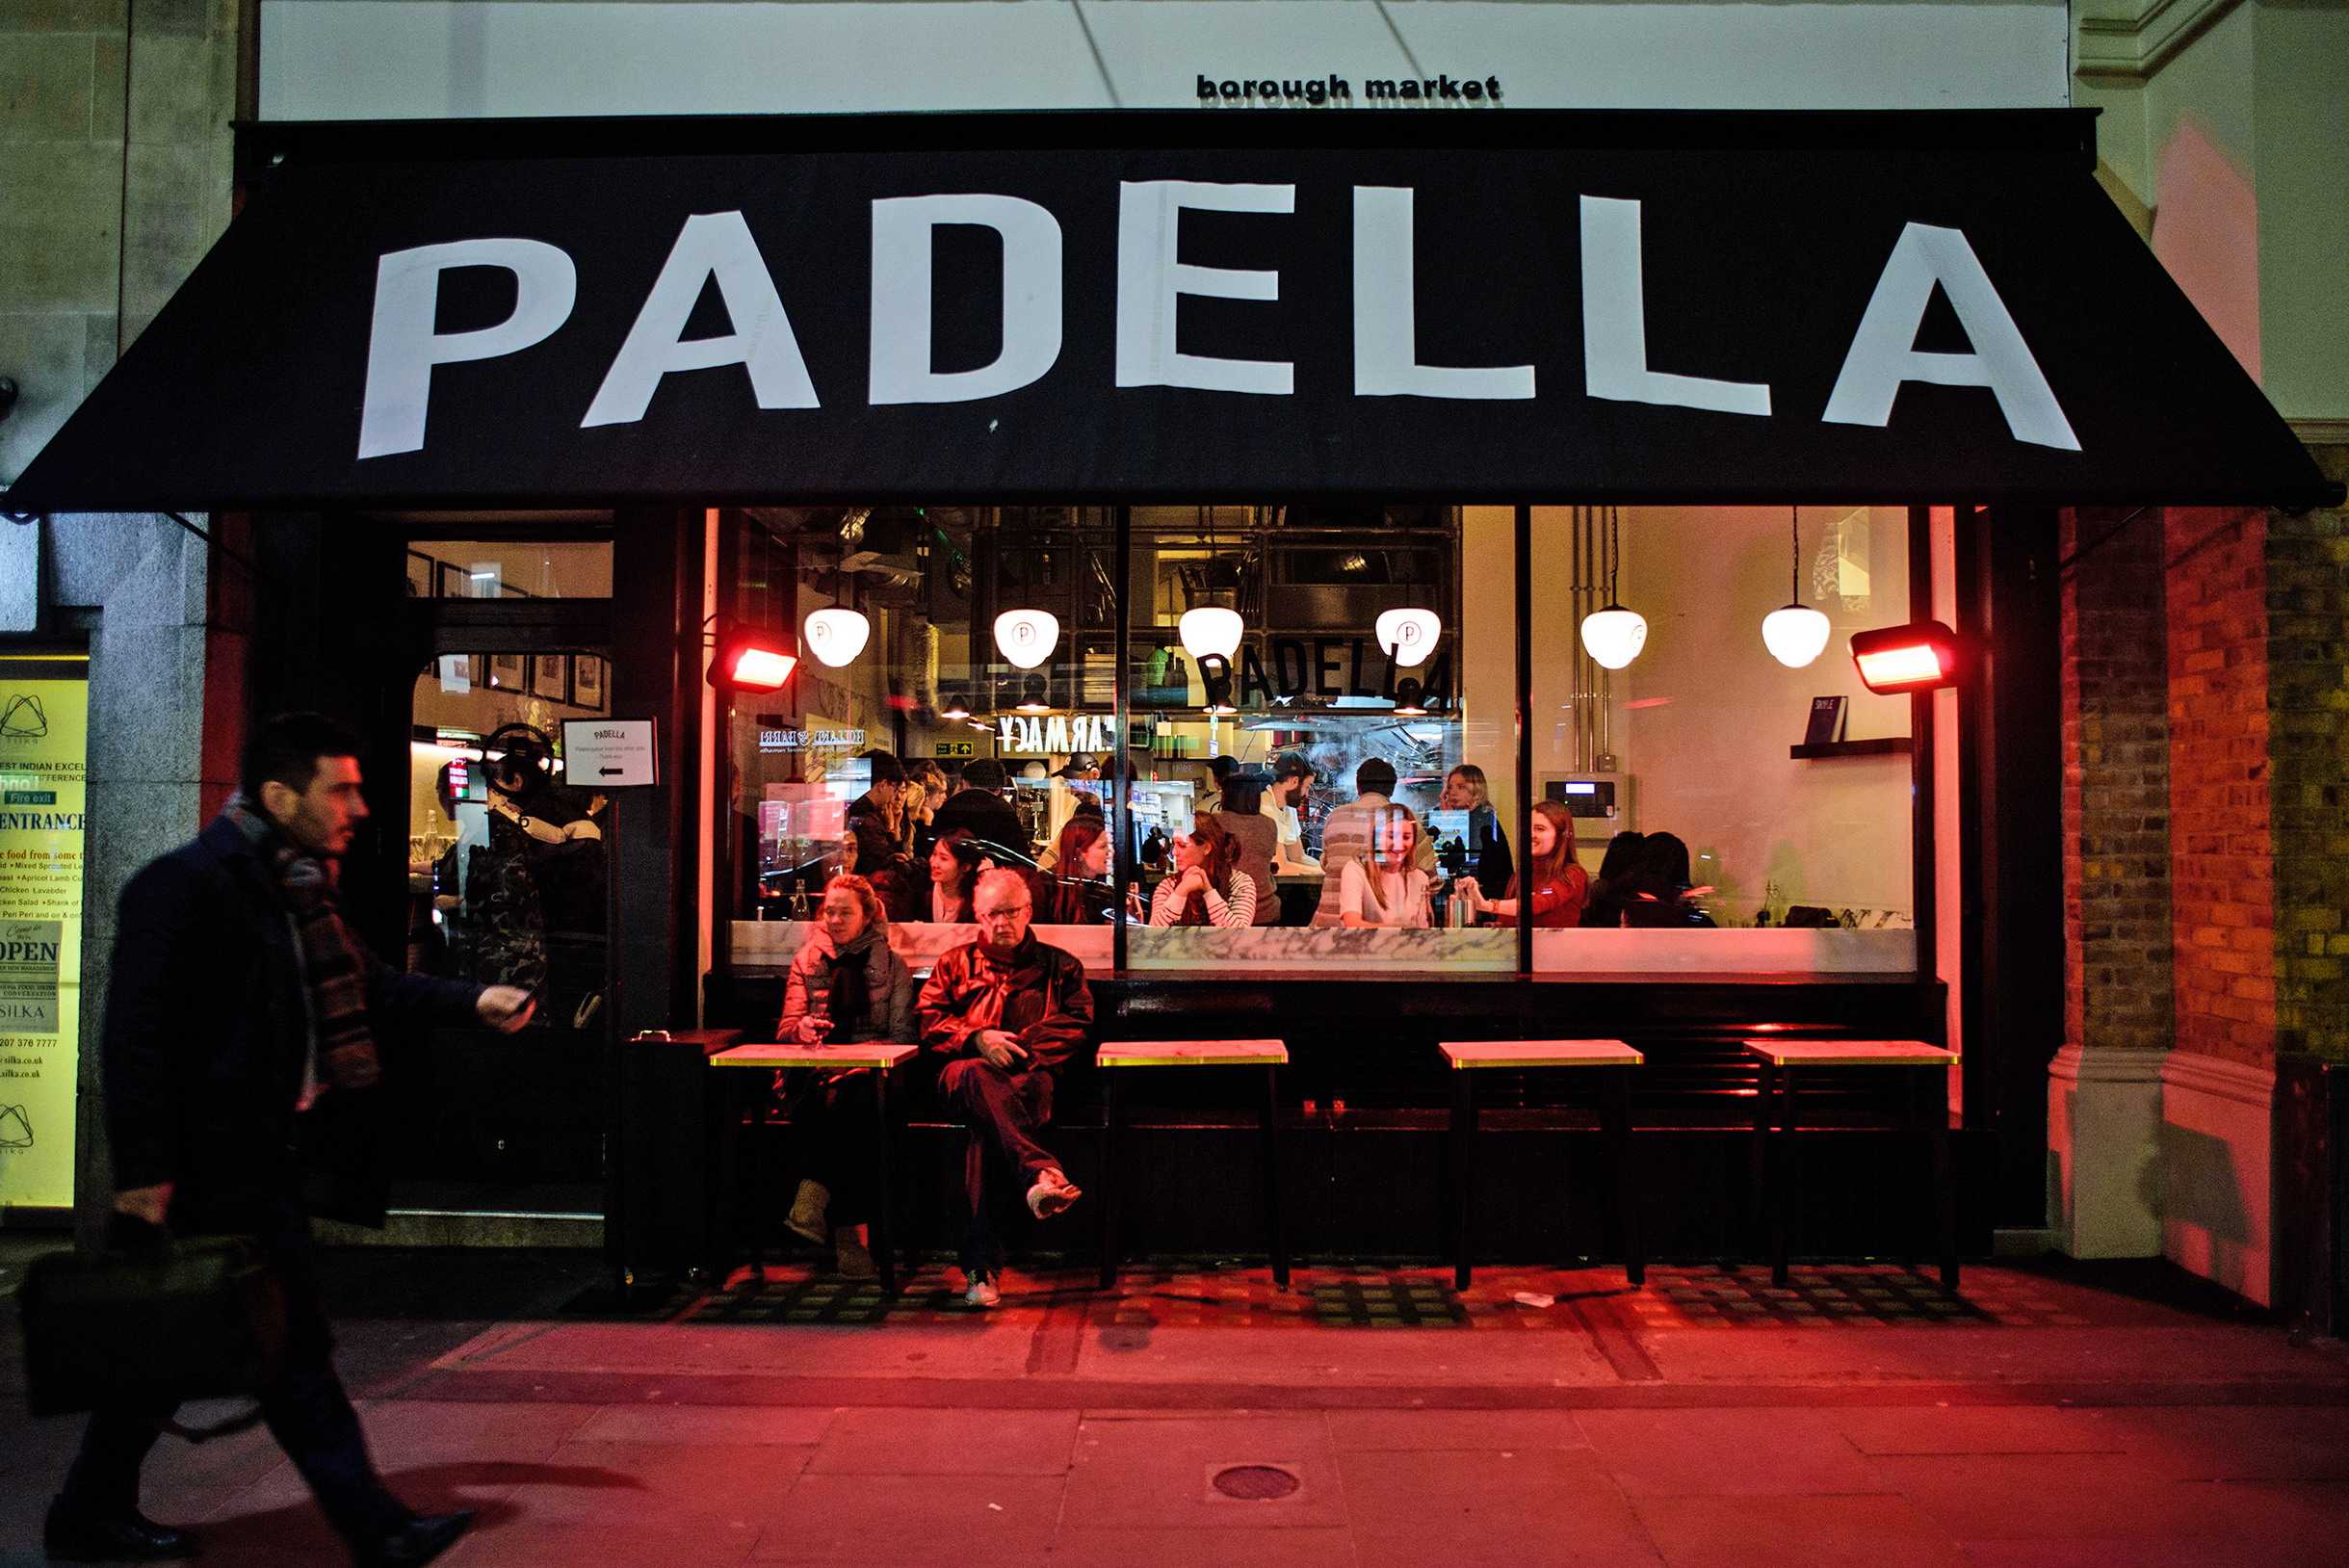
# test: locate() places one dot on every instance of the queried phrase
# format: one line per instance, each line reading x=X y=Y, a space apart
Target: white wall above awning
x=464 y=59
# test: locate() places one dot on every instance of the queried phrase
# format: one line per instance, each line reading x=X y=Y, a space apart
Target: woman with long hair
x=1383 y=887
x=954 y=862
x=1560 y=886
x=1207 y=887
x=1491 y=864
x=1604 y=907
x=1658 y=892
x=917 y=808
x=1077 y=892
x=846 y=986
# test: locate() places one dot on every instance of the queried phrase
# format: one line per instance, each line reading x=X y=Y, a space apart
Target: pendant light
x=1026 y=638
x=1210 y=632
x=1613 y=635
x=1795 y=634
x=1408 y=636
x=837 y=636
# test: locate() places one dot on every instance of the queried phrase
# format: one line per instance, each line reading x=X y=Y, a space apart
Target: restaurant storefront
x=972 y=417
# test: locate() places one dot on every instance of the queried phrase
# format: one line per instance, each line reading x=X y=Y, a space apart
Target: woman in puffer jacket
x=846 y=986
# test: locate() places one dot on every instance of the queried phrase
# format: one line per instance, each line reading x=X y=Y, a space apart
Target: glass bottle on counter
x=799 y=899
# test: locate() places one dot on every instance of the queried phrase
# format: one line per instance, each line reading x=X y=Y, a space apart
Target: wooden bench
x=1469 y=1058
x=1116 y=1058
x=1777 y=1105
x=881 y=1058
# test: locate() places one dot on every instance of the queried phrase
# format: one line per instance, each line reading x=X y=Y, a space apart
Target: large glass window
x=1321 y=735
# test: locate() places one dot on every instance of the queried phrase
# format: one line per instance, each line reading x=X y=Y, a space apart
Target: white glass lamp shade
x=1210 y=631
x=1794 y=635
x=1026 y=638
x=1614 y=636
x=836 y=636
x=1408 y=636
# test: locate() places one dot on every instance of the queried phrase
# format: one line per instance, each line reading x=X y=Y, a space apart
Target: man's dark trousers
x=1004 y=1111
x=307 y=1410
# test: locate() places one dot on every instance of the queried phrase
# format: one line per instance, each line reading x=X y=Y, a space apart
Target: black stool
x=1468 y=1057
x=1116 y=1056
x=1777 y=1105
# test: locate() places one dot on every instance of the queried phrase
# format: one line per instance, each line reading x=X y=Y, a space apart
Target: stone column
x=2105 y=1085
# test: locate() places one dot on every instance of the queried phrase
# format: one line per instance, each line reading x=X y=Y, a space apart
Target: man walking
x=237 y=999
x=1005 y=1011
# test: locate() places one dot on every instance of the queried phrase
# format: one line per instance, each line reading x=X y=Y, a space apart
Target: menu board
x=44 y=749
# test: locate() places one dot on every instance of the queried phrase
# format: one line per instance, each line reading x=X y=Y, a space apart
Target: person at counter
x=954 y=862
x=846 y=986
x=1005 y=1011
x=1346 y=836
x=1207 y=887
x=1077 y=891
x=1255 y=838
x=881 y=858
x=1284 y=799
x=979 y=808
x=1602 y=908
x=1385 y=887
x=1560 y=886
x=1489 y=862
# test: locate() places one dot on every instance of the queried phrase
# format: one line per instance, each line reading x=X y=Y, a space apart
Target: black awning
x=1471 y=305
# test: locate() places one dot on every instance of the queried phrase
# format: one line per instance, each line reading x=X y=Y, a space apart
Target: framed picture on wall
x=509 y=671
x=588 y=682
x=550 y=676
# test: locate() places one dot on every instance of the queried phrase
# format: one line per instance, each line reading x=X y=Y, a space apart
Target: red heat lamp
x=1916 y=658
x=749 y=662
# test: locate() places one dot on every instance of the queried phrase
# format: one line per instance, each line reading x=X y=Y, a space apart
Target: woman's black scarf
x=849 y=997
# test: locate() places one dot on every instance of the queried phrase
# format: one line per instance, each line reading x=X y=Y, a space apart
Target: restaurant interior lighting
x=1408 y=636
x=836 y=636
x=1036 y=696
x=1216 y=675
x=1794 y=633
x=1210 y=631
x=1410 y=699
x=1026 y=638
x=748 y=661
x=954 y=709
x=1914 y=657
x=1614 y=636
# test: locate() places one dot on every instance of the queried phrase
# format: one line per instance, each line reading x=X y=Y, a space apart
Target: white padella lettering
x=402 y=346
x=1615 y=324
x=902 y=260
x=1884 y=351
x=1150 y=283
x=711 y=245
x=1386 y=313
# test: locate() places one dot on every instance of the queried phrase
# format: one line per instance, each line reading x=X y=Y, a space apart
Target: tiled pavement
x=2047 y=1424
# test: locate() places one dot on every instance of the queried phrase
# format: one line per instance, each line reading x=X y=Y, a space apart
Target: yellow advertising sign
x=44 y=730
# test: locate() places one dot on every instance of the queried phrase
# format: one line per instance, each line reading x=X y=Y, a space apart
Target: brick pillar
x=2105 y=1085
x=2219 y=1082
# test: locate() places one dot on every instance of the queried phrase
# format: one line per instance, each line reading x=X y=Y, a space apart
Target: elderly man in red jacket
x=1005 y=1011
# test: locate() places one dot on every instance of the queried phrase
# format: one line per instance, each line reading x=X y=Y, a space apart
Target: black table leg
x=1626 y=1174
x=1270 y=1121
x=1758 y=1161
x=1944 y=1210
x=882 y=1189
x=1109 y=1179
x=1463 y=1172
x=1783 y=1168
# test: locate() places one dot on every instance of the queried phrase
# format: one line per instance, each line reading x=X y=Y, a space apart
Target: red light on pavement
x=1906 y=658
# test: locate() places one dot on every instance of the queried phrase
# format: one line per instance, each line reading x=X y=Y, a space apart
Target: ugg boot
x=807 y=1207
x=854 y=1260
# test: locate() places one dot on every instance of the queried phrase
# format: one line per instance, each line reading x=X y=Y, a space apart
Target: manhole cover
x=1255 y=1483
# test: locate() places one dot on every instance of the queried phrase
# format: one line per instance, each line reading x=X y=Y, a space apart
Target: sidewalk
x=2065 y=1415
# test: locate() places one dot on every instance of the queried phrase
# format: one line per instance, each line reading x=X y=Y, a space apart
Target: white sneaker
x=981 y=1292
x=1051 y=1194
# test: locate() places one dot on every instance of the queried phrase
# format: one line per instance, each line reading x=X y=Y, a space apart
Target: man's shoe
x=417 y=1542
x=1051 y=1194
x=806 y=1216
x=132 y=1538
x=981 y=1292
